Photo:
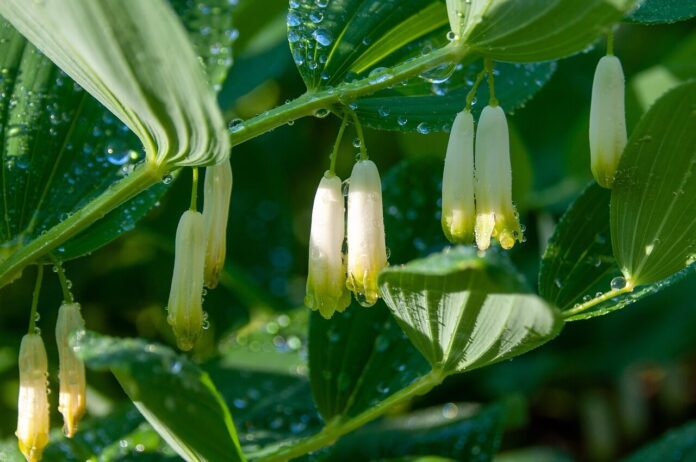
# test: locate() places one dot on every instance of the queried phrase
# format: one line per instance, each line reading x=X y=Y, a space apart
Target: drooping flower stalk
x=495 y=213
x=72 y=397
x=216 y=205
x=32 y=406
x=458 y=208
x=367 y=251
x=607 y=120
x=326 y=280
x=186 y=295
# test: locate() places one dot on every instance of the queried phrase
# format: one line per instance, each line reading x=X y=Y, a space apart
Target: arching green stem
x=35 y=299
x=337 y=145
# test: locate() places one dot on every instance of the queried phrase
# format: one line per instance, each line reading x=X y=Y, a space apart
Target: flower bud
x=186 y=294
x=326 y=280
x=72 y=397
x=495 y=214
x=367 y=250
x=216 y=206
x=33 y=415
x=607 y=120
x=458 y=210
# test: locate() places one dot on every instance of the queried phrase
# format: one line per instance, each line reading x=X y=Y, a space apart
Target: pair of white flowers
x=331 y=275
x=201 y=244
x=477 y=193
x=33 y=421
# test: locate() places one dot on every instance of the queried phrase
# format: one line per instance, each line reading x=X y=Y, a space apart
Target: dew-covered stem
x=337 y=145
x=144 y=176
x=35 y=299
x=597 y=300
x=345 y=93
x=64 y=285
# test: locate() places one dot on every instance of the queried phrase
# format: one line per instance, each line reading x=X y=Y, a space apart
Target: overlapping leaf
x=61 y=148
x=677 y=444
x=190 y=404
x=578 y=264
x=463 y=312
x=357 y=359
x=340 y=40
x=653 y=203
x=124 y=58
x=538 y=30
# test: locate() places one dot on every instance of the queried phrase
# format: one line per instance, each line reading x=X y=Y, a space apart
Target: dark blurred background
x=601 y=389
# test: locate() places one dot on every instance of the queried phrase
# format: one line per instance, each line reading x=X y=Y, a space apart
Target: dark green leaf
x=653 y=203
x=174 y=395
x=678 y=444
x=454 y=431
x=357 y=359
x=578 y=264
x=463 y=311
x=663 y=11
x=348 y=39
x=538 y=30
x=61 y=148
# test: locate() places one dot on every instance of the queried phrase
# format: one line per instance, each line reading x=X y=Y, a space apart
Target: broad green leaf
x=653 y=203
x=61 y=148
x=173 y=394
x=125 y=59
x=463 y=311
x=678 y=444
x=455 y=431
x=578 y=265
x=357 y=359
x=663 y=11
x=341 y=40
x=539 y=30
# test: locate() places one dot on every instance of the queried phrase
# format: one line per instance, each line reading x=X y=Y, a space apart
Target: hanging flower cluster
x=477 y=182
x=331 y=273
x=33 y=415
x=200 y=248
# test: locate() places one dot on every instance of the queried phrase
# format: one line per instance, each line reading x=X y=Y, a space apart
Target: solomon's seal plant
x=105 y=103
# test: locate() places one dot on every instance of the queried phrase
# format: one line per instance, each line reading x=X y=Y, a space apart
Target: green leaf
x=454 y=431
x=538 y=30
x=578 y=266
x=663 y=11
x=357 y=359
x=463 y=311
x=173 y=394
x=678 y=444
x=61 y=148
x=349 y=39
x=653 y=203
x=124 y=59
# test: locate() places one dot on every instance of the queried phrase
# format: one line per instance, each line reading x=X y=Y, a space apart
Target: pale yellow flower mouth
x=72 y=396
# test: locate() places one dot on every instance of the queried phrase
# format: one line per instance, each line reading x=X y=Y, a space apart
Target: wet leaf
x=341 y=40
x=578 y=264
x=539 y=30
x=191 y=403
x=653 y=203
x=126 y=60
x=357 y=359
x=61 y=148
x=663 y=11
x=463 y=311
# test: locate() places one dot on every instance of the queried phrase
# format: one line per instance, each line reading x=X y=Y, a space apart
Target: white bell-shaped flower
x=72 y=397
x=458 y=208
x=607 y=120
x=32 y=406
x=186 y=294
x=495 y=213
x=326 y=279
x=216 y=206
x=367 y=250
